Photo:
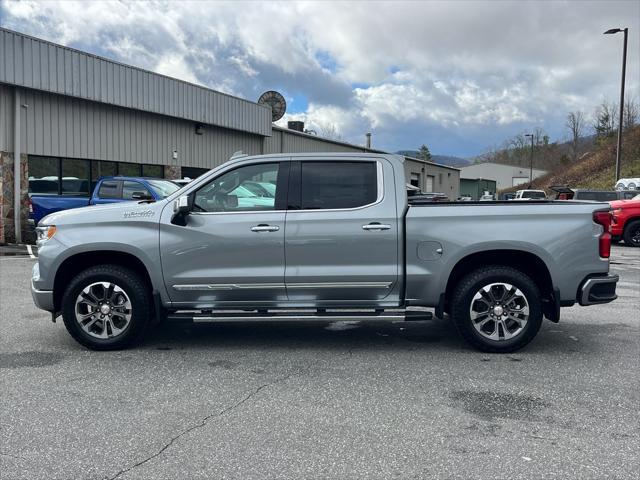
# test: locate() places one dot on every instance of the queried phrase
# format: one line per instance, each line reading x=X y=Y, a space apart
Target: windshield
x=163 y=188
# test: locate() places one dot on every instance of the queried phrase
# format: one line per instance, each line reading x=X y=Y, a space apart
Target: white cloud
x=457 y=74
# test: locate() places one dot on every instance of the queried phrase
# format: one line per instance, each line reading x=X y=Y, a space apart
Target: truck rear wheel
x=632 y=234
x=106 y=307
x=497 y=309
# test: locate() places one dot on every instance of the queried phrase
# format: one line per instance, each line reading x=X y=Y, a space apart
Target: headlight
x=44 y=233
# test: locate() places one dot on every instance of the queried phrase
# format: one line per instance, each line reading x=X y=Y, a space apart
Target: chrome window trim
x=379 y=199
x=380 y=189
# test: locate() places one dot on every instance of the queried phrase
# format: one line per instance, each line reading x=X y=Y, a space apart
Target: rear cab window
x=110 y=189
x=130 y=187
x=338 y=185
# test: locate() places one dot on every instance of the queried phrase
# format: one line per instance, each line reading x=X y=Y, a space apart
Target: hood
x=112 y=212
x=624 y=203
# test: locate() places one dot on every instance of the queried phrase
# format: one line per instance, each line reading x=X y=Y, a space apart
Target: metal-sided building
x=67 y=113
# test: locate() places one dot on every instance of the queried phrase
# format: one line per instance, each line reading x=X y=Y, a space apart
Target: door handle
x=265 y=228
x=376 y=226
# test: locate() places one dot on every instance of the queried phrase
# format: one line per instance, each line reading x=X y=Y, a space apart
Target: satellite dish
x=277 y=103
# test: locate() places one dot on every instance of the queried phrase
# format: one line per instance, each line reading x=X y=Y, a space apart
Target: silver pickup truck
x=320 y=237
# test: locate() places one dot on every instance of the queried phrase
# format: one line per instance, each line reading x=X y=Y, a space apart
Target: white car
x=628 y=184
x=530 y=195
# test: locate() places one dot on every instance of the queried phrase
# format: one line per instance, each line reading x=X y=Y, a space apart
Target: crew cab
x=625 y=221
x=49 y=195
x=339 y=240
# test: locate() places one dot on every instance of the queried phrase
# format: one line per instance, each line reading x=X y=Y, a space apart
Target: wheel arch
x=526 y=262
x=78 y=262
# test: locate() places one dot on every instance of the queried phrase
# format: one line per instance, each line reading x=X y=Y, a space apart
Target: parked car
x=417 y=195
x=45 y=193
x=625 y=221
x=566 y=193
x=342 y=240
x=628 y=184
x=530 y=195
x=429 y=197
x=488 y=197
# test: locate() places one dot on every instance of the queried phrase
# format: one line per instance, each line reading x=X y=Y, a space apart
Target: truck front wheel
x=106 y=307
x=632 y=233
x=497 y=309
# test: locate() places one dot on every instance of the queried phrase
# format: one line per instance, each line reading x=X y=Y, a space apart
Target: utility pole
x=620 y=118
x=530 y=159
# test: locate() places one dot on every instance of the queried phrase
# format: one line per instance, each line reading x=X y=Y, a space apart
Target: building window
x=75 y=177
x=415 y=179
x=44 y=175
x=129 y=169
x=193 y=172
x=153 y=171
x=102 y=169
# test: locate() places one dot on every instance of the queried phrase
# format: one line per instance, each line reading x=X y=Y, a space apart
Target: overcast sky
x=459 y=76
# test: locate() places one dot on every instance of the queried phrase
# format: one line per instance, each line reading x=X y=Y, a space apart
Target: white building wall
x=504 y=175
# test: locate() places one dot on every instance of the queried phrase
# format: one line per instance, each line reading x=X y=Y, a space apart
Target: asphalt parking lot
x=296 y=400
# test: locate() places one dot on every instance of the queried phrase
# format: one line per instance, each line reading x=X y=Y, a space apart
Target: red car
x=625 y=222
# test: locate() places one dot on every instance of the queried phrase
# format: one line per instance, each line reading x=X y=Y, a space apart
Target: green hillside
x=596 y=168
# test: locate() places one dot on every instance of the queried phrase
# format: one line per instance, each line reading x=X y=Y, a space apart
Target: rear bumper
x=598 y=289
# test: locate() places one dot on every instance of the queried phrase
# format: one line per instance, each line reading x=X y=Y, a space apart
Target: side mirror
x=141 y=196
x=181 y=208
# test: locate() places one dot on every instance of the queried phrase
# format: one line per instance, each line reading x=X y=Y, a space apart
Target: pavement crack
x=201 y=424
x=18 y=457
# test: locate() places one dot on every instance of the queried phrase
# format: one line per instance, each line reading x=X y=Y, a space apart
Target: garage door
x=430 y=183
x=519 y=181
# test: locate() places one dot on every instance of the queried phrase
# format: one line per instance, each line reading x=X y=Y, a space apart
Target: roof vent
x=296 y=125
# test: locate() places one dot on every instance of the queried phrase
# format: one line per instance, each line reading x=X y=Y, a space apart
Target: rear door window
x=338 y=185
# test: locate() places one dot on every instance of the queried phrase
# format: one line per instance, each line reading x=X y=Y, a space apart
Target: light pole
x=624 y=71
x=530 y=159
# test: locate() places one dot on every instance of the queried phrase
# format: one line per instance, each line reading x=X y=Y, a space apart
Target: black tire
x=131 y=284
x=631 y=233
x=462 y=299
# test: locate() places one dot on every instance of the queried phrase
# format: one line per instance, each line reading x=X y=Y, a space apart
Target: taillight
x=603 y=217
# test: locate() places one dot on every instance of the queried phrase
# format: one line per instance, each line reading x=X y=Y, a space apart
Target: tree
x=424 y=153
x=605 y=120
x=575 y=124
x=630 y=113
x=330 y=131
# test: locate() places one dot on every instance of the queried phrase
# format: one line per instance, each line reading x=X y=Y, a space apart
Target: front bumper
x=598 y=289
x=42 y=298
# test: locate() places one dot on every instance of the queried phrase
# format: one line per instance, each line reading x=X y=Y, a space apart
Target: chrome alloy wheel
x=103 y=310
x=499 y=311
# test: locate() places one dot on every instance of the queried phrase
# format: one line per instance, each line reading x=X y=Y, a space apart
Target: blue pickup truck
x=45 y=193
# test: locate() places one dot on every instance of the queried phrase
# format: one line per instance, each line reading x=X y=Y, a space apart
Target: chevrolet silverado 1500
x=337 y=238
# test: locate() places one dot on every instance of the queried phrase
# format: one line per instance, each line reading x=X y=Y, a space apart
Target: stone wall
x=172 y=172
x=7 y=232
